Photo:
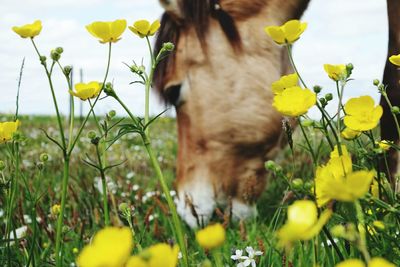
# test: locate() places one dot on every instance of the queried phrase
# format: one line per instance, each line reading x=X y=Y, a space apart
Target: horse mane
x=198 y=14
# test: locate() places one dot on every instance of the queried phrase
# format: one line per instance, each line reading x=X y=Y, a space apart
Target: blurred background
x=339 y=31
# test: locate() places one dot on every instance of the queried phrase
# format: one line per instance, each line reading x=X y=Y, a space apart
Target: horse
x=217 y=79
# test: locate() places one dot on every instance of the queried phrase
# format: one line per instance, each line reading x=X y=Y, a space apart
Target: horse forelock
x=196 y=14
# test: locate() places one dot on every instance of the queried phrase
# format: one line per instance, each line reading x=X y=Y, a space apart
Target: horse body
x=218 y=80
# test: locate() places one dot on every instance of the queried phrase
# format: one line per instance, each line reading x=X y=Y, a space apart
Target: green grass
x=132 y=183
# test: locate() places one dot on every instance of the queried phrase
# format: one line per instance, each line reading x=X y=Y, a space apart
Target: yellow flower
x=7 y=130
x=288 y=33
x=28 y=30
x=379 y=224
x=294 y=101
x=351 y=263
x=107 y=31
x=160 y=255
x=302 y=222
x=285 y=82
x=361 y=114
x=374 y=262
x=350 y=134
x=86 y=90
x=55 y=209
x=380 y=262
x=395 y=59
x=211 y=237
x=143 y=28
x=336 y=180
x=336 y=72
x=375 y=188
x=111 y=247
x=384 y=145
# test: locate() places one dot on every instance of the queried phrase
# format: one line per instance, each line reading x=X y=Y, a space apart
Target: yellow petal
x=117 y=29
x=211 y=237
x=29 y=30
x=154 y=27
x=351 y=263
x=276 y=33
x=380 y=262
x=100 y=30
x=395 y=59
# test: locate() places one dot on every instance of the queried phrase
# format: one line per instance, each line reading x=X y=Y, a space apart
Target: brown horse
x=217 y=79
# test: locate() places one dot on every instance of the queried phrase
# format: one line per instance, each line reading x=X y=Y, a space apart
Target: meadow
x=99 y=190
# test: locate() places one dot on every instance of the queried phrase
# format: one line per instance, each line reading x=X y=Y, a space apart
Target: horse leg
x=391 y=78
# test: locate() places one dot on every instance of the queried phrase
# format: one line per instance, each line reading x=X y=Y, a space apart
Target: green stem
x=148 y=86
x=314 y=157
x=217 y=258
x=384 y=94
x=11 y=200
x=175 y=218
x=362 y=230
x=104 y=184
x=48 y=74
x=60 y=219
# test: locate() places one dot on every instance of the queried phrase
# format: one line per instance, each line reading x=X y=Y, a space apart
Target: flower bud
x=328 y=97
x=112 y=113
x=317 y=89
x=91 y=134
x=381 y=88
x=95 y=141
x=44 y=157
x=43 y=60
x=376 y=82
x=2 y=165
x=55 y=55
x=67 y=70
x=55 y=210
x=75 y=250
x=123 y=207
x=323 y=102
x=40 y=165
x=297 y=183
x=168 y=46
x=59 y=50
x=308 y=185
x=395 y=110
x=270 y=165
x=349 y=69
x=65 y=229
x=207 y=263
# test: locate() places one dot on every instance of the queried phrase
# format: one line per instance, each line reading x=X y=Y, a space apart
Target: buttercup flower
x=110 y=247
x=285 y=82
x=7 y=130
x=143 y=28
x=336 y=180
x=374 y=262
x=107 y=31
x=336 y=72
x=362 y=114
x=86 y=90
x=294 y=101
x=28 y=30
x=395 y=59
x=211 y=237
x=55 y=209
x=384 y=145
x=350 y=134
x=302 y=222
x=160 y=255
x=288 y=33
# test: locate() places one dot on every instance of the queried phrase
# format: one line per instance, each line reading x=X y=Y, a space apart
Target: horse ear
x=172 y=7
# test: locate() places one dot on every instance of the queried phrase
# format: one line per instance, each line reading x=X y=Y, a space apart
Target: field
x=99 y=191
x=135 y=184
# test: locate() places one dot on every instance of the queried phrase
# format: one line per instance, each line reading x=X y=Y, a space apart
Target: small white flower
x=238 y=255
x=135 y=187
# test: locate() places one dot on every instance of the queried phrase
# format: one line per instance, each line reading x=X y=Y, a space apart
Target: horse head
x=219 y=80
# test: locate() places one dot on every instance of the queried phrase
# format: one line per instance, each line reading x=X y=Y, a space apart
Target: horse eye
x=172 y=94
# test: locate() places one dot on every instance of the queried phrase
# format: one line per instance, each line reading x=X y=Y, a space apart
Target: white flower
x=246 y=260
x=238 y=255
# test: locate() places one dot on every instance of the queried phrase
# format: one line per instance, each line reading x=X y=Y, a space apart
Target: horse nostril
x=172 y=94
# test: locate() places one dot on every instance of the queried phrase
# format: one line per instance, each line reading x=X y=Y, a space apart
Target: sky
x=339 y=31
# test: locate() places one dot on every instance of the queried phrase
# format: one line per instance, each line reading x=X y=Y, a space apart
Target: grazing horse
x=218 y=79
